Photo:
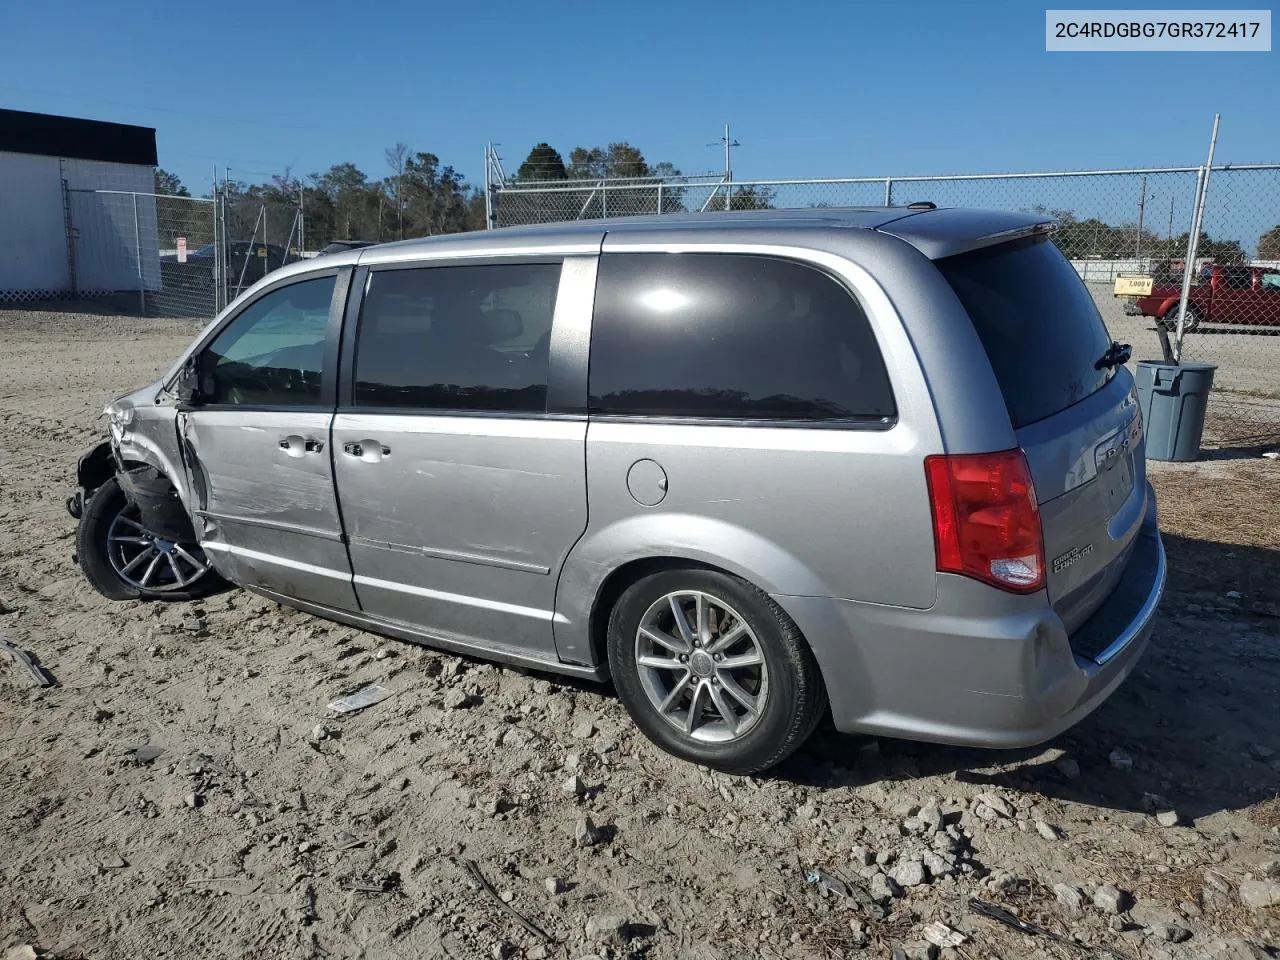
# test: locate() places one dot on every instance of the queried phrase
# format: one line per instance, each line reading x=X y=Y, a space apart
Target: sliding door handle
x=296 y=446
x=370 y=451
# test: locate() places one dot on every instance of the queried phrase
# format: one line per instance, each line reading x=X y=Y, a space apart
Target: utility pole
x=1142 y=205
x=729 y=144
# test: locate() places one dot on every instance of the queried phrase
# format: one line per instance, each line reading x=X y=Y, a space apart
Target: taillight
x=986 y=523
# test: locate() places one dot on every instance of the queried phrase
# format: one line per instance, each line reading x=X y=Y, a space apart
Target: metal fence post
x=226 y=260
x=137 y=247
x=217 y=253
x=659 y=198
x=68 y=227
x=888 y=191
x=1193 y=241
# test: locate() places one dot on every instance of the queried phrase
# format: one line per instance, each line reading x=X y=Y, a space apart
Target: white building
x=59 y=238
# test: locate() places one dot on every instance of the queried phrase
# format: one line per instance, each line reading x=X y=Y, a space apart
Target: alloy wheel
x=147 y=562
x=701 y=666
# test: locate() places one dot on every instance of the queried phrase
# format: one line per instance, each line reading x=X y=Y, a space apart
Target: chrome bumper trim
x=1143 y=618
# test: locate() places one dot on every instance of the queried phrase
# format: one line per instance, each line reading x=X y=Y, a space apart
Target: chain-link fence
x=159 y=249
x=172 y=256
x=260 y=236
x=1113 y=224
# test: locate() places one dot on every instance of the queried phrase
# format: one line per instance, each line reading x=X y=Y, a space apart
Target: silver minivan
x=883 y=462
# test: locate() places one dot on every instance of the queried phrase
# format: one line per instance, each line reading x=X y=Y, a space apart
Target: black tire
x=92 y=553
x=1189 y=325
x=795 y=702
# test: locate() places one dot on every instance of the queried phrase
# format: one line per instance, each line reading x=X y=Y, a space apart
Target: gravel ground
x=182 y=792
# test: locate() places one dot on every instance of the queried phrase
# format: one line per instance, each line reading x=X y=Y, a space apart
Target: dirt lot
x=264 y=828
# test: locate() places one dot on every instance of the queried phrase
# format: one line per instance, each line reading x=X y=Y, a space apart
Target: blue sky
x=811 y=89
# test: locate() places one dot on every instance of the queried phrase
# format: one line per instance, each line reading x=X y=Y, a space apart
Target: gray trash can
x=1173 y=398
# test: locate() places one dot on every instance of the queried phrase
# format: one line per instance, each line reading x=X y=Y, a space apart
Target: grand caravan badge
x=1073 y=555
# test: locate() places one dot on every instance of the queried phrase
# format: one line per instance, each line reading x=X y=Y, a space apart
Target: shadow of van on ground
x=1199 y=716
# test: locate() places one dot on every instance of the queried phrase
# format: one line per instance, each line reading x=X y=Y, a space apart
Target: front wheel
x=123 y=560
x=713 y=671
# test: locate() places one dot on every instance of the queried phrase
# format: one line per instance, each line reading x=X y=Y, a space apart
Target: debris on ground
x=384 y=883
x=472 y=871
x=827 y=884
x=28 y=662
x=361 y=699
x=941 y=935
x=145 y=752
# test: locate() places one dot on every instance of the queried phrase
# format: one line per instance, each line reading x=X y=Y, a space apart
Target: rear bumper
x=981 y=667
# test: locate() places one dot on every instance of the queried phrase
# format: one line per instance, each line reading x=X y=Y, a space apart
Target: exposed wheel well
x=616 y=584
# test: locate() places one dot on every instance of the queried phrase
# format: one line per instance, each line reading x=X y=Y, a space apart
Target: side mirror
x=194 y=385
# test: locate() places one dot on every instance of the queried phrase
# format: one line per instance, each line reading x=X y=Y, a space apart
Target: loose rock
x=608 y=927
x=574 y=786
x=585 y=833
x=998 y=803
x=1170 y=933
x=860 y=937
x=555 y=885
x=1110 y=899
x=938 y=865
x=884 y=887
x=1069 y=767
x=1167 y=818
x=584 y=730
x=916 y=950
x=1260 y=894
x=910 y=873
x=931 y=816
x=1071 y=898
x=1047 y=831
x=1120 y=760
x=458 y=699
x=1216 y=882
x=863 y=856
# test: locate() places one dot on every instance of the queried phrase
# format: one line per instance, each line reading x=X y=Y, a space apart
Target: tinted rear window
x=734 y=337
x=1038 y=322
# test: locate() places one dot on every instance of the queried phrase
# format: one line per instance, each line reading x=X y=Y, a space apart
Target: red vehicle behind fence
x=1224 y=294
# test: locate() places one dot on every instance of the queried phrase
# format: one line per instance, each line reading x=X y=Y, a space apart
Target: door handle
x=296 y=446
x=370 y=451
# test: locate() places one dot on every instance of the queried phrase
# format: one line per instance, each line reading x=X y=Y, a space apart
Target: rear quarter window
x=731 y=337
x=1037 y=321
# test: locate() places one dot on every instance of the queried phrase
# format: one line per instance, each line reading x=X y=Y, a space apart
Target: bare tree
x=395 y=160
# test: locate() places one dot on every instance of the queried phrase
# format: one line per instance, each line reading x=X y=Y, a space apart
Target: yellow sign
x=1133 y=286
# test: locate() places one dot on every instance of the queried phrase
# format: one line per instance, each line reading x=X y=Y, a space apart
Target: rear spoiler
x=945 y=233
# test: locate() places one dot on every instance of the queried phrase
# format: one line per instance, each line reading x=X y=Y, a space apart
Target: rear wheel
x=123 y=560
x=713 y=671
x=1189 y=324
